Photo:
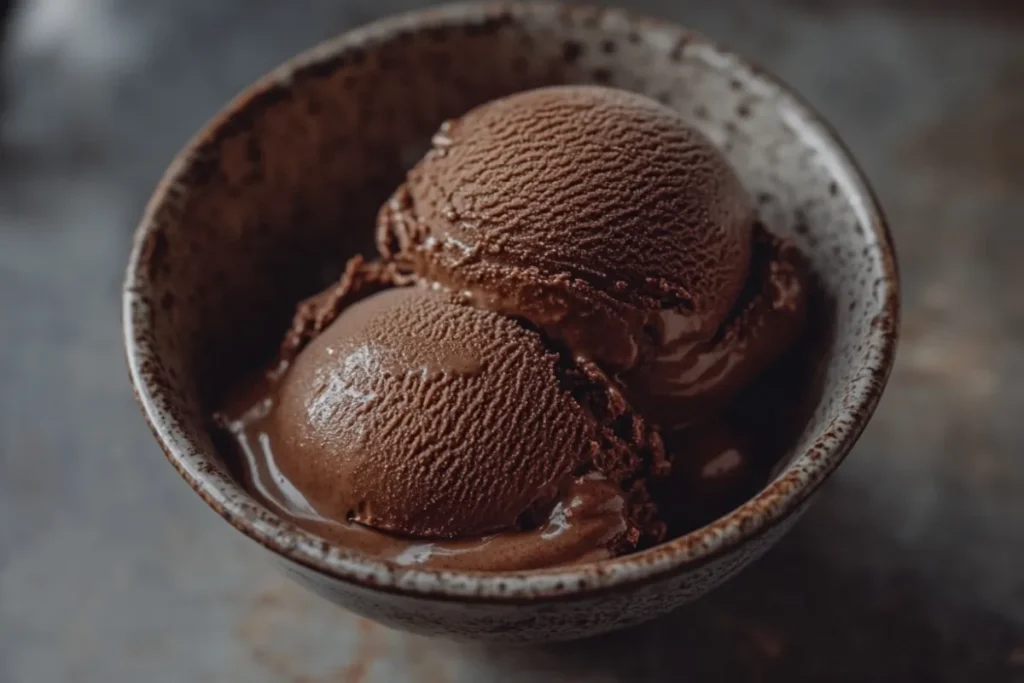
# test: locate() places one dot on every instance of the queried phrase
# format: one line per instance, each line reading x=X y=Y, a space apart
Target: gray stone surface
x=908 y=569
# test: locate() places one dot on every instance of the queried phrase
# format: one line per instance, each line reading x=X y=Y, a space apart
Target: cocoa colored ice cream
x=598 y=214
x=419 y=416
x=568 y=275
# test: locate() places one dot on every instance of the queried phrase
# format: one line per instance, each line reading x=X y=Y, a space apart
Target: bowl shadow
x=832 y=602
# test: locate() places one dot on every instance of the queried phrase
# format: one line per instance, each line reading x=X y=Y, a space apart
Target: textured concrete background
x=910 y=568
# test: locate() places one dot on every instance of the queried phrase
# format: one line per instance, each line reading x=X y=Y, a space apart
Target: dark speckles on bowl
x=274 y=194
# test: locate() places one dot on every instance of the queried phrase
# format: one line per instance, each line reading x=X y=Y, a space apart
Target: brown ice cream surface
x=587 y=523
x=567 y=275
x=598 y=214
x=417 y=415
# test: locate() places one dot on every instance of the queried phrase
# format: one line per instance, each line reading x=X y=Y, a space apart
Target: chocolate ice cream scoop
x=419 y=416
x=597 y=214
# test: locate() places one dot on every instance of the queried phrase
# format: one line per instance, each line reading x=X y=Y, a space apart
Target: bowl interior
x=270 y=199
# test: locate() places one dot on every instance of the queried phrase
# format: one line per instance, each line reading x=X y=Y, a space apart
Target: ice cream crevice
x=629 y=450
x=359 y=279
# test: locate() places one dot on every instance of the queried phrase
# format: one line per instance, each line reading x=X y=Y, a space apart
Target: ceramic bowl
x=266 y=202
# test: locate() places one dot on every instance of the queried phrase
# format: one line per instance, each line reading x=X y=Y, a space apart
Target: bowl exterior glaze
x=265 y=203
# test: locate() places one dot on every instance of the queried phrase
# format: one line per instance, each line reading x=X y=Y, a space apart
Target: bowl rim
x=780 y=499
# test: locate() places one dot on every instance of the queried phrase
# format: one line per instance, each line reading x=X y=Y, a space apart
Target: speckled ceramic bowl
x=267 y=201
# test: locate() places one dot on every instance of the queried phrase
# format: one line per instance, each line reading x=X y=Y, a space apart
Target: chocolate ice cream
x=568 y=275
x=421 y=416
x=417 y=415
x=598 y=214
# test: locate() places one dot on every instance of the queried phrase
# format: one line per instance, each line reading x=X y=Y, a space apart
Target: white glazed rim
x=775 y=502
